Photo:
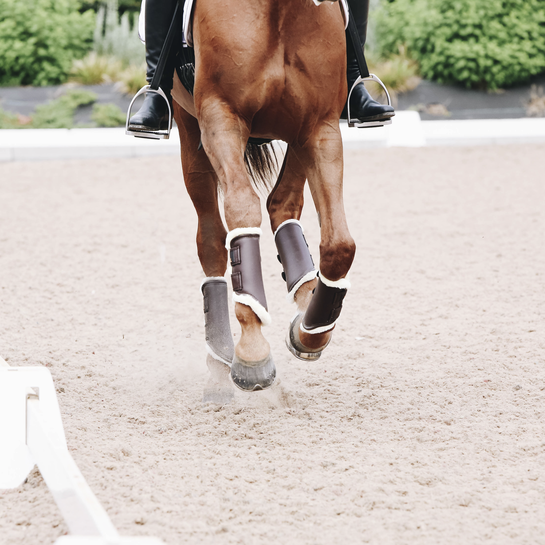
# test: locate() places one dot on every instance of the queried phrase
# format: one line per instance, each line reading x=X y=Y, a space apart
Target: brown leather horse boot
x=307 y=331
x=250 y=370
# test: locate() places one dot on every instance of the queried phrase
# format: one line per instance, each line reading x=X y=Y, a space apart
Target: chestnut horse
x=268 y=69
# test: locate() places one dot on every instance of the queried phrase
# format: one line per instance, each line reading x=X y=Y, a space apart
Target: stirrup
x=364 y=124
x=155 y=135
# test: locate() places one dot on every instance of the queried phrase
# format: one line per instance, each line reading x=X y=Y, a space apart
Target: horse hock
x=308 y=331
x=259 y=372
x=294 y=255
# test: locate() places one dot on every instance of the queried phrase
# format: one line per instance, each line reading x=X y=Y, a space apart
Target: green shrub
x=108 y=115
x=95 y=69
x=398 y=72
x=131 y=6
x=116 y=37
x=132 y=79
x=59 y=113
x=479 y=43
x=9 y=120
x=40 y=38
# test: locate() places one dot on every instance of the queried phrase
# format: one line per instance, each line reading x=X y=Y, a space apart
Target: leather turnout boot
x=153 y=114
x=363 y=106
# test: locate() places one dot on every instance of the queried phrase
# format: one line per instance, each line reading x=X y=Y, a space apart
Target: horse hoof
x=296 y=347
x=218 y=390
x=253 y=376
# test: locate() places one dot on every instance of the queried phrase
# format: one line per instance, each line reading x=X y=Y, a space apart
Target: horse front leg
x=201 y=183
x=321 y=158
x=224 y=137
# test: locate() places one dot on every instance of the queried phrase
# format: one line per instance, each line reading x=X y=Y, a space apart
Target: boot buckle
x=362 y=125
x=155 y=135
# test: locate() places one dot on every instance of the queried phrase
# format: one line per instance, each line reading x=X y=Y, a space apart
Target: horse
x=266 y=70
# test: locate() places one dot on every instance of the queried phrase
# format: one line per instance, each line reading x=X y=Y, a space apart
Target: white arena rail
x=32 y=434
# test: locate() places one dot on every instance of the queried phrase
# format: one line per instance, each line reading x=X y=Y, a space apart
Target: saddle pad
x=187 y=21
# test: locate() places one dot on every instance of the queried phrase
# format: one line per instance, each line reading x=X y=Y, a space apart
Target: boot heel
x=155 y=135
x=353 y=122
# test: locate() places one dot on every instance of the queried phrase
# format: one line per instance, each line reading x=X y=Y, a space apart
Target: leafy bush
x=114 y=36
x=95 y=69
x=398 y=72
x=39 y=39
x=108 y=115
x=132 y=78
x=479 y=43
x=59 y=113
x=118 y=54
x=131 y=6
x=9 y=120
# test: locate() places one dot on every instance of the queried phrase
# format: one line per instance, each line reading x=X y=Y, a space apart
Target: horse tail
x=262 y=165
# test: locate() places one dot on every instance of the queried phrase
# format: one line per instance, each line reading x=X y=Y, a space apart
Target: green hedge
x=479 y=43
x=39 y=39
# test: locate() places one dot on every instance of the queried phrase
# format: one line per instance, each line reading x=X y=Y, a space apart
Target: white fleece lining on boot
x=210 y=278
x=255 y=305
x=286 y=222
x=311 y=275
x=240 y=232
x=210 y=351
x=321 y=329
x=342 y=284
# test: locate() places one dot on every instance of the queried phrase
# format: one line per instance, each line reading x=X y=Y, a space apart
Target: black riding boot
x=362 y=106
x=153 y=114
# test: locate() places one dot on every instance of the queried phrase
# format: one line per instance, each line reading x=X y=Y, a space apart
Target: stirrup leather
x=155 y=135
x=364 y=124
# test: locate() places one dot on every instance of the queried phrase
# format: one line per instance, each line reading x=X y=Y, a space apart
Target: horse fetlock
x=294 y=255
x=305 y=346
x=246 y=276
x=252 y=345
x=325 y=306
x=304 y=294
x=219 y=341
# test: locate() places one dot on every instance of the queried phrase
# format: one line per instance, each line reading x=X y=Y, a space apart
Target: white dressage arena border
x=406 y=130
x=33 y=434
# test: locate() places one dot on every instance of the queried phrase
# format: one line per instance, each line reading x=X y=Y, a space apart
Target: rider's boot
x=363 y=108
x=153 y=115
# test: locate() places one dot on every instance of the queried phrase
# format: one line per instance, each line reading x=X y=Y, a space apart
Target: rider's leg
x=362 y=106
x=153 y=115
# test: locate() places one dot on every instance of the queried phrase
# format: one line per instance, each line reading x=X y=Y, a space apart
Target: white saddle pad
x=187 y=23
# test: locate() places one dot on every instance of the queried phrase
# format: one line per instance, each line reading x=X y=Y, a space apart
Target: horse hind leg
x=310 y=332
x=201 y=183
x=285 y=204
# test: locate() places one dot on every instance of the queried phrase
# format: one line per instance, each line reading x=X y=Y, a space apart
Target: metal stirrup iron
x=153 y=87
x=364 y=76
